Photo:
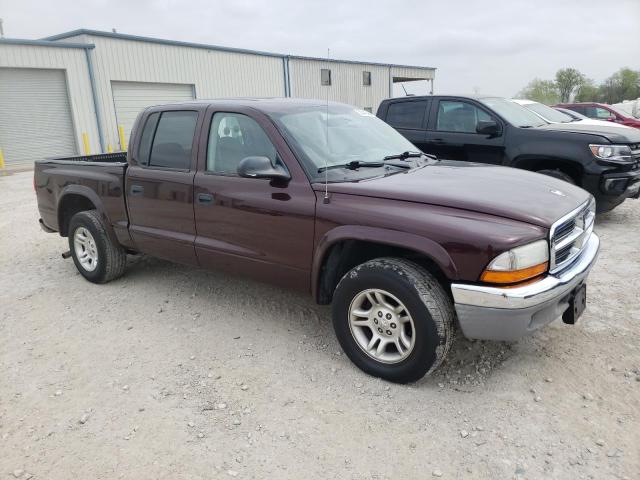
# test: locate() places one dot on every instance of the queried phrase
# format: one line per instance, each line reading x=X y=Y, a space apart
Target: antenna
x=326 y=170
x=405 y=90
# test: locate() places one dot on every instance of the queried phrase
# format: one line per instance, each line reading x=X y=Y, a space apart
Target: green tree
x=588 y=92
x=543 y=91
x=568 y=81
x=622 y=85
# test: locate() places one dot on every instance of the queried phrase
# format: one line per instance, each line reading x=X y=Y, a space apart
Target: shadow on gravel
x=468 y=366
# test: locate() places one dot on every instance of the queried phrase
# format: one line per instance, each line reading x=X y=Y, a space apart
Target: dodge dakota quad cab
x=332 y=201
x=603 y=160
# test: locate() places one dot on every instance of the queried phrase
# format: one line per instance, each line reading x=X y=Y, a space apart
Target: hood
x=502 y=191
x=613 y=132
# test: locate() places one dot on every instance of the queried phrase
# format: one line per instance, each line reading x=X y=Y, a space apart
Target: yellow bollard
x=85 y=143
x=123 y=143
x=109 y=149
x=2 y=172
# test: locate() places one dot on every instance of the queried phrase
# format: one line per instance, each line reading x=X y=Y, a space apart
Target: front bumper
x=616 y=187
x=493 y=313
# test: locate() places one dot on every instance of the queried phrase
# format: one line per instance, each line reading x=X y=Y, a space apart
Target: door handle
x=137 y=190
x=205 y=199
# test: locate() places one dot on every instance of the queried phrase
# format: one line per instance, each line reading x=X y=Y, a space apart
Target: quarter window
x=173 y=140
x=325 y=76
x=456 y=116
x=147 y=138
x=233 y=137
x=406 y=114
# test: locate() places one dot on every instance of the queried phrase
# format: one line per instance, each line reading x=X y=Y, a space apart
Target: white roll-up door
x=130 y=98
x=35 y=116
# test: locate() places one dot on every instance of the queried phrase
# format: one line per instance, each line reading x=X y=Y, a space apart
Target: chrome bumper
x=494 y=313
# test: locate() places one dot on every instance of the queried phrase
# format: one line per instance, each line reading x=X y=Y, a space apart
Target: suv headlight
x=518 y=264
x=612 y=153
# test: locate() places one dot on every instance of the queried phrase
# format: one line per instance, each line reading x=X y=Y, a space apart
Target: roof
x=179 y=43
x=263 y=104
x=44 y=43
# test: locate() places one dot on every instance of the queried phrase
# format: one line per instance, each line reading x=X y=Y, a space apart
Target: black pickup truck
x=603 y=160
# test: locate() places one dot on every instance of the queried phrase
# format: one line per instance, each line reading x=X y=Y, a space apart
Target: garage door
x=35 y=117
x=130 y=98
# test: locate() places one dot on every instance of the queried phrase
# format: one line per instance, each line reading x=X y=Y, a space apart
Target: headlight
x=612 y=153
x=518 y=264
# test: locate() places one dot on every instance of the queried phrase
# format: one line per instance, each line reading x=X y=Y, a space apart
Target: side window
x=603 y=113
x=147 y=138
x=457 y=116
x=173 y=140
x=233 y=137
x=407 y=114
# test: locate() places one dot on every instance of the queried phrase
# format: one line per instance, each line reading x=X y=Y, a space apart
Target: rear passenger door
x=159 y=185
x=409 y=117
x=452 y=135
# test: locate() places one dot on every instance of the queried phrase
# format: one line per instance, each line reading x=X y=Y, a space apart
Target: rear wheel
x=393 y=319
x=95 y=255
x=558 y=174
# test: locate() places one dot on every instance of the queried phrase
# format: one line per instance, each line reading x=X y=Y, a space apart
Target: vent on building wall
x=325 y=76
x=366 y=78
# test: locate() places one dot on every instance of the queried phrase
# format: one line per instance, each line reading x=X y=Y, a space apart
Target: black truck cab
x=603 y=160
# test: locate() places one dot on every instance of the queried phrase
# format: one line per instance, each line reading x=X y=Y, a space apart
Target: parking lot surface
x=179 y=373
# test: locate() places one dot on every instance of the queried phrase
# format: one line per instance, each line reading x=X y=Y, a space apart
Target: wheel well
x=346 y=254
x=69 y=206
x=574 y=170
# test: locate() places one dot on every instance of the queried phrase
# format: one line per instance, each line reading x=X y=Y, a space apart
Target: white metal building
x=82 y=90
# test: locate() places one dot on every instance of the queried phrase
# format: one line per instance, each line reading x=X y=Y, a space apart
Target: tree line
x=570 y=84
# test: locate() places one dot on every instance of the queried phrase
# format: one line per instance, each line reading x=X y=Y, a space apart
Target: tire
x=429 y=308
x=559 y=175
x=88 y=239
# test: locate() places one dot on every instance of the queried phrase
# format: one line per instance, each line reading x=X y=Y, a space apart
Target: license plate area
x=577 y=304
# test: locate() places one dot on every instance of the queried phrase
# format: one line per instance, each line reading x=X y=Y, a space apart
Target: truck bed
x=60 y=181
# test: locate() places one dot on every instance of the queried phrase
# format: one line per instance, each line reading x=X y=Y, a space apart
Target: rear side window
x=173 y=140
x=406 y=114
x=147 y=138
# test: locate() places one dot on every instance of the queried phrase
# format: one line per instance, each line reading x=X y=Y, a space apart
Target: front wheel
x=95 y=255
x=559 y=174
x=393 y=319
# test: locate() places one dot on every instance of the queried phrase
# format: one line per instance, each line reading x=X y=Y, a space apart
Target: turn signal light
x=514 y=276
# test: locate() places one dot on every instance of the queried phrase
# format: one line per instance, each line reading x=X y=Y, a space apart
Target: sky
x=490 y=47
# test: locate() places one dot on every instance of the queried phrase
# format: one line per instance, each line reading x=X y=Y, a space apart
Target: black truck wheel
x=558 y=174
x=95 y=255
x=393 y=319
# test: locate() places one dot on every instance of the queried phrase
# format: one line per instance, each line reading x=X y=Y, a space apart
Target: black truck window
x=147 y=137
x=406 y=114
x=173 y=140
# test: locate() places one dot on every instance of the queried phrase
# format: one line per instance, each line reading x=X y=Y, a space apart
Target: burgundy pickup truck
x=330 y=200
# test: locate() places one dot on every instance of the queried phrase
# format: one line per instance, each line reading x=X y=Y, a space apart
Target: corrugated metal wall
x=214 y=73
x=346 y=81
x=73 y=61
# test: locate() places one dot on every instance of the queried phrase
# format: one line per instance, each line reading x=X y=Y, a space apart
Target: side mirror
x=487 y=127
x=261 y=167
x=611 y=119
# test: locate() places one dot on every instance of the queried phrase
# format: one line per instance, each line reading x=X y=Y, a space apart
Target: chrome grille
x=569 y=235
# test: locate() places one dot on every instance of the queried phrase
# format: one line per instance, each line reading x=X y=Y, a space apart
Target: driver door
x=256 y=227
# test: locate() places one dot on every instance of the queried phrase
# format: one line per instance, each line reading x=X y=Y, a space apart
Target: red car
x=602 y=111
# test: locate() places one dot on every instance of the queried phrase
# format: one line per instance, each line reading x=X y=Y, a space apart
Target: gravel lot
x=173 y=372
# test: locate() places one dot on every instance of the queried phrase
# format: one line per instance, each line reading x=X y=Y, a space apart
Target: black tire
x=428 y=304
x=112 y=258
x=559 y=175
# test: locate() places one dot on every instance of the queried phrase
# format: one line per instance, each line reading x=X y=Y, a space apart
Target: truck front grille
x=569 y=235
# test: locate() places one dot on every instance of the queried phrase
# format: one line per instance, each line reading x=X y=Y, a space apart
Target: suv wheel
x=393 y=319
x=96 y=257
x=558 y=174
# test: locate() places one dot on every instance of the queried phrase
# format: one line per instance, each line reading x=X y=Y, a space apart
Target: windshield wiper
x=403 y=156
x=353 y=165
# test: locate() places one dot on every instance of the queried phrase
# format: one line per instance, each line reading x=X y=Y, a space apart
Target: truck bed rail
x=118 y=157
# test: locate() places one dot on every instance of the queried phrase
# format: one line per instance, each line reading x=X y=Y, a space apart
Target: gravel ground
x=173 y=372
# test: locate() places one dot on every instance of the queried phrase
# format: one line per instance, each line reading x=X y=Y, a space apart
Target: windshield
x=353 y=136
x=513 y=113
x=548 y=113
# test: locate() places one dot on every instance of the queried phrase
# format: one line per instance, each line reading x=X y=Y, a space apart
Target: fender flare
x=419 y=244
x=93 y=197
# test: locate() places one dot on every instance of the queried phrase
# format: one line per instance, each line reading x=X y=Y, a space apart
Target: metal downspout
x=94 y=94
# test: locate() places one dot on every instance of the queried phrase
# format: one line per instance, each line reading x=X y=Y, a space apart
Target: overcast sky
x=492 y=46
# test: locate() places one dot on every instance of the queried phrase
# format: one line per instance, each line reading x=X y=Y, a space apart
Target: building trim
x=45 y=43
x=96 y=103
x=179 y=43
